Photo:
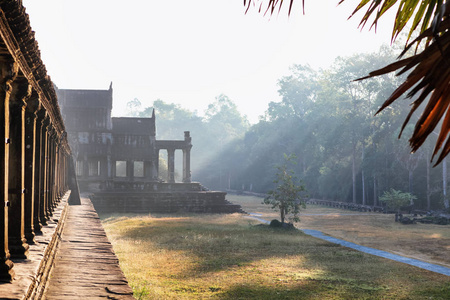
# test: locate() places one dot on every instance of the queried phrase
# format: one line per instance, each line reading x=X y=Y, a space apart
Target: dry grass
x=427 y=242
x=232 y=257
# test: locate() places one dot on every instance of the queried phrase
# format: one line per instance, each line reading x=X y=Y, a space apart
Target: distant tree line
x=326 y=119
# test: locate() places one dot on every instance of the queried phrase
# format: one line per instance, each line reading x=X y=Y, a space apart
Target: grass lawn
x=233 y=257
x=427 y=242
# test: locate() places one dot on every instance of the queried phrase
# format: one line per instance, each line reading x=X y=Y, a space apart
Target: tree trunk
x=363 y=179
x=428 y=182
x=444 y=182
x=410 y=179
x=354 y=173
x=375 y=198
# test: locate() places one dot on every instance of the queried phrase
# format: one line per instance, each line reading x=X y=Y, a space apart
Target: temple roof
x=85 y=98
x=134 y=126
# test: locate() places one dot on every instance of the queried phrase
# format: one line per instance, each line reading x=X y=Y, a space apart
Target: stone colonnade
x=34 y=153
x=171 y=146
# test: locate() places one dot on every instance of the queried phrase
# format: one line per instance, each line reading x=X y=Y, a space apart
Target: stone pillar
x=55 y=177
x=156 y=163
x=130 y=170
x=8 y=71
x=187 y=165
x=51 y=171
x=63 y=175
x=30 y=165
x=187 y=158
x=109 y=166
x=43 y=171
x=171 y=165
x=148 y=170
x=113 y=168
x=40 y=114
x=18 y=246
x=85 y=166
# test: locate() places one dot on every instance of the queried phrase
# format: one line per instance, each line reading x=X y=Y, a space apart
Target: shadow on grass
x=266 y=261
x=219 y=247
x=313 y=289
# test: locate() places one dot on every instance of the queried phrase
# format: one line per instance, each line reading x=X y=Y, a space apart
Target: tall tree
x=429 y=77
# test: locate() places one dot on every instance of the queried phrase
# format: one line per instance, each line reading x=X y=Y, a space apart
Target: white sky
x=189 y=52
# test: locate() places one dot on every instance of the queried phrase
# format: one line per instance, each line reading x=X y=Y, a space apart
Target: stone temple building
x=115 y=153
x=117 y=160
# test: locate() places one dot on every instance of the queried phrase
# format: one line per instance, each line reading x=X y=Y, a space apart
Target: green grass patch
x=232 y=257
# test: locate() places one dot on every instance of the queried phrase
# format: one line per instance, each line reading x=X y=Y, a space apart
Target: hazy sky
x=189 y=52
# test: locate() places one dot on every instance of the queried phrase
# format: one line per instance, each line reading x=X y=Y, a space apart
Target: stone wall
x=164 y=202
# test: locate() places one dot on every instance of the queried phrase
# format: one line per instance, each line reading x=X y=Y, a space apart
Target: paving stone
x=86 y=266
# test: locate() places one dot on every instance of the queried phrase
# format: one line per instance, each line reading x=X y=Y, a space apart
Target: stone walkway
x=86 y=266
x=410 y=261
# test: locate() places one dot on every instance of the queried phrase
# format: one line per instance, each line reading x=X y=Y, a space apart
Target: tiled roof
x=135 y=126
x=85 y=98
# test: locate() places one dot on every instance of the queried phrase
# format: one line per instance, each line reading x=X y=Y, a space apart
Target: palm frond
x=271 y=5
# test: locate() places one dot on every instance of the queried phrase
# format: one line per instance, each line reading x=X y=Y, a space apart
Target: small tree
x=395 y=199
x=287 y=195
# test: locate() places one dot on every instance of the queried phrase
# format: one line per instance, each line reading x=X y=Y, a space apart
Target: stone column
x=156 y=164
x=63 y=173
x=51 y=171
x=85 y=166
x=148 y=170
x=187 y=158
x=130 y=170
x=40 y=114
x=187 y=165
x=55 y=185
x=30 y=165
x=8 y=71
x=67 y=174
x=43 y=171
x=109 y=167
x=18 y=246
x=171 y=165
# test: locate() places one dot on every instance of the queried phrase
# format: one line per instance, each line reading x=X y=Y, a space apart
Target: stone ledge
x=32 y=273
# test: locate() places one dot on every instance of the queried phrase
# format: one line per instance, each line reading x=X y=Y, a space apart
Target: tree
x=224 y=120
x=428 y=78
x=395 y=199
x=287 y=196
x=133 y=107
